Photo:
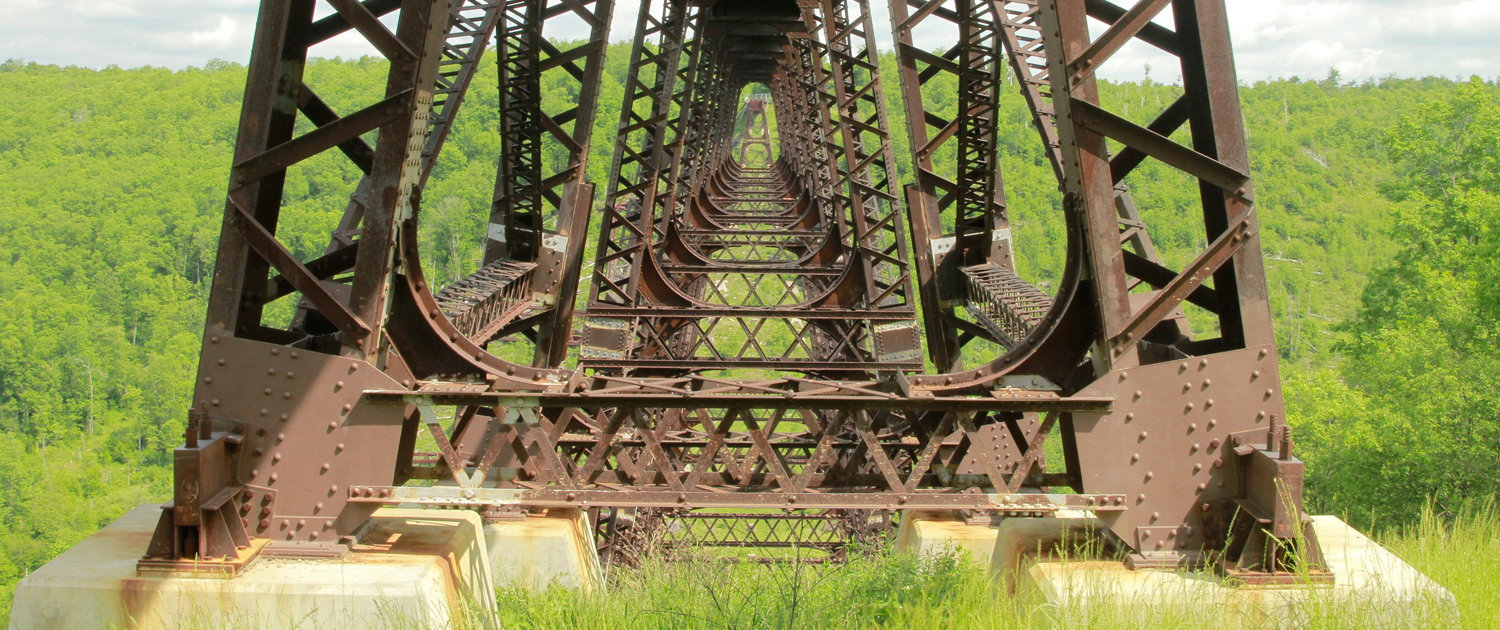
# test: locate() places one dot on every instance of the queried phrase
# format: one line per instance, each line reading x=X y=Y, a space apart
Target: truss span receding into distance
x=774 y=315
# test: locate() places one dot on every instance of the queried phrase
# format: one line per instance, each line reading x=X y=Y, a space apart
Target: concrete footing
x=412 y=568
x=541 y=551
x=933 y=532
x=1372 y=587
x=1050 y=556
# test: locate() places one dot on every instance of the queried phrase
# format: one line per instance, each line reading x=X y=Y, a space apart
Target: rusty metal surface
x=751 y=343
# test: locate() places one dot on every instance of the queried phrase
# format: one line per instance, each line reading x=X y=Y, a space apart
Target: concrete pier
x=933 y=532
x=412 y=568
x=1372 y=587
x=539 y=551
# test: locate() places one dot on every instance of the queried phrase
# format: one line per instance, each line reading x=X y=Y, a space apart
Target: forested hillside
x=1378 y=203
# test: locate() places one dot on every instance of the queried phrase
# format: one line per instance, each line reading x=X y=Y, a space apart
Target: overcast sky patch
x=1273 y=38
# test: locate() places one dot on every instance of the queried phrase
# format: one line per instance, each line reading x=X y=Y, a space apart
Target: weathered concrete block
x=540 y=550
x=413 y=569
x=932 y=532
x=1372 y=587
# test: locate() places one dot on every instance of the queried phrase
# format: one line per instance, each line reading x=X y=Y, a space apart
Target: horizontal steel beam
x=1001 y=400
x=1018 y=503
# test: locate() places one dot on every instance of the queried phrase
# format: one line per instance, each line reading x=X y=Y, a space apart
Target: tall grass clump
x=880 y=591
x=1461 y=552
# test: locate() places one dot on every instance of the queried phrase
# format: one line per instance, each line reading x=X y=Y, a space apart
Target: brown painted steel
x=684 y=397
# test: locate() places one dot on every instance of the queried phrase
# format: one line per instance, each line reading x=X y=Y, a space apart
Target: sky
x=1272 y=38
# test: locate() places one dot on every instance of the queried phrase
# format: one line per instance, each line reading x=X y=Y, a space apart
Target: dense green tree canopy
x=111 y=198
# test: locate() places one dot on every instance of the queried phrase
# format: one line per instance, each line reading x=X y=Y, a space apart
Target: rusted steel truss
x=751 y=337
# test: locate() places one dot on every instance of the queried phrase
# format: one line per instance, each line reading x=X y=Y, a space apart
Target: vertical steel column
x=975 y=195
x=1211 y=91
x=397 y=167
x=640 y=159
x=1087 y=179
x=267 y=118
x=516 y=213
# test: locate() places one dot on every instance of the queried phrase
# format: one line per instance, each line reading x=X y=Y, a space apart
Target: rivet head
x=1150 y=475
x=1143 y=435
x=286 y=395
x=276 y=457
x=275 y=351
x=333 y=425
x=264 y=411
x=208 y=380
x=1135 y=457
x=294 y=354
x=222 y=362
x=348 y=407
x=291 y=374
x=273 y=477
x=285 y=417
x=271 y=371
x=326 y=467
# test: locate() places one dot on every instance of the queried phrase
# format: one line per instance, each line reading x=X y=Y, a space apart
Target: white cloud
x=217 y=38
x=1273 y=38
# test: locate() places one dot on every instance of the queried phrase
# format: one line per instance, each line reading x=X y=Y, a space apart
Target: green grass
x=1461 y=552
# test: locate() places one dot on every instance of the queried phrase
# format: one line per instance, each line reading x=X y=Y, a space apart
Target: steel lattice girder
x=1176 y=443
